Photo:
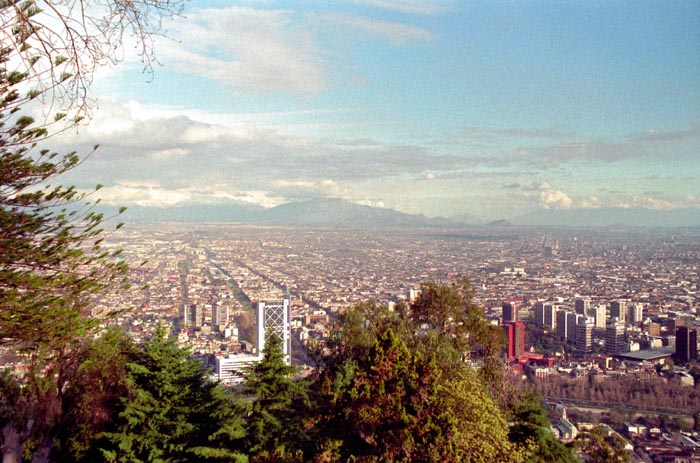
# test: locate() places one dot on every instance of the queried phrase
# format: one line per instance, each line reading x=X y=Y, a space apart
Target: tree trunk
x=41 y=455
x=12 y=443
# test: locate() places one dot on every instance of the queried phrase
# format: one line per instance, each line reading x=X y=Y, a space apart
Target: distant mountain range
x=339 y=212
x=612 y=217
x=320 y=211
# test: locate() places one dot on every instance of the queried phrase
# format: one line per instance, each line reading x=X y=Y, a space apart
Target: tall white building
x=599 y=315
x=539 y=313
x=618 y=310
x=634 y=313
x=550 y=316
x=275 y=317
x=582 y=306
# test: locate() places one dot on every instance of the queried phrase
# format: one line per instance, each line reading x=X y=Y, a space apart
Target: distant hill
x=195 y=213
x=608 y=217
x=466 y=219
x=319 y=211
x=500 y=223
x=339 y=212
x=335 y=211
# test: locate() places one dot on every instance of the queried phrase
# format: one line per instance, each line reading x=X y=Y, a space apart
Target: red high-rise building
x=515 y=334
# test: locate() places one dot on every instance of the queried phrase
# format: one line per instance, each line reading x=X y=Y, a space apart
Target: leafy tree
x=603 y=448
x=382 y=413
x=51 y=263
x=172 y=412
x=388 y=391
x=450 y=310
x=59 y=412
x=530 y=426
x=481 y=431
x=274 y=425
x=440 y=307
x=452 y=317
x=90 y=400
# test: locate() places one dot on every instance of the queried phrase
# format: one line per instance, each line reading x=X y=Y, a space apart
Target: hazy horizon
x=495 y=109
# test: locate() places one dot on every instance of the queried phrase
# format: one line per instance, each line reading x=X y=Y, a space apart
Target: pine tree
x=275 y=422
x=173 y=412
x=51 y=265
x=51 y=258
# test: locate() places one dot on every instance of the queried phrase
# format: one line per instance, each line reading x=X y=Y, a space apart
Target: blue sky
x=492 y=108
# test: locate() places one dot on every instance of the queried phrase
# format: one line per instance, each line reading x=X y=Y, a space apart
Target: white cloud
x=410 y=6
x=257 y=51
x=657 y=201
x=656 y=136
x=303 y=189
x=149 y=193
x=637 y=145
x=371 y=202
x=555 y=199
x=150 y=160
x=169 y=153
x=146 y=194
x=395 y=33
x=188 y=158
x=592 y=202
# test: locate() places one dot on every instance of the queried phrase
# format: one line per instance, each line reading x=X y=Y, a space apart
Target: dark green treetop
x=172 y=411
x=275 y=423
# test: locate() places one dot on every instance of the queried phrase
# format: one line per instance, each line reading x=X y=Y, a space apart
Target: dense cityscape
x=596 y=302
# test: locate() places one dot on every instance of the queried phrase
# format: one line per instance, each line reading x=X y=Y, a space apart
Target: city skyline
x=439 y=108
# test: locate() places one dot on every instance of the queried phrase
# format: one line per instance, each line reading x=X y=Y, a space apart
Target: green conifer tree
x=173 y=412
x=51 y=258
x=275 y=422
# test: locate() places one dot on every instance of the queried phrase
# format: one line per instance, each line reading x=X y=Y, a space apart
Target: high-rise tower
x=562 y=327
x=618 y=309
x=515 y=335
x=550 y=316
x=599 y=314
x=275 y=317
x=615 y=338
x=510 y=312
x=539 y=313
x=584 y=337
x=686 y=344
x=635 y=313
x=582 y=306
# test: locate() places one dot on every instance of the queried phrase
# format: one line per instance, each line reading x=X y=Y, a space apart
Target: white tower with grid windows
x=275 y=317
